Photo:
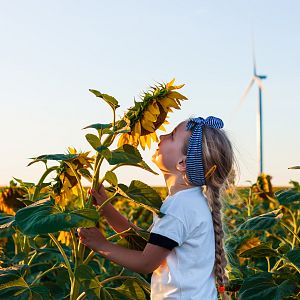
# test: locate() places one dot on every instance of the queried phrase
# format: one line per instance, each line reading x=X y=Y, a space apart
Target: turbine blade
x=253 y=53
x=247 y=90
x=237 y=108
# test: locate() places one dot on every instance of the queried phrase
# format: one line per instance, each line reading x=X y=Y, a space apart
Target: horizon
x=54 y=52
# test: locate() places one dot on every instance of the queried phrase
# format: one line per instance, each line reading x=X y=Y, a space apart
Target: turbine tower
x=258 y=79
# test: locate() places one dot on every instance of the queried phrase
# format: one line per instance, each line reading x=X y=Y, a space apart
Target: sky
x=53 y=52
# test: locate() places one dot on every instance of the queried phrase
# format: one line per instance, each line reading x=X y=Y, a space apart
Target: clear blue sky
x=52 y=52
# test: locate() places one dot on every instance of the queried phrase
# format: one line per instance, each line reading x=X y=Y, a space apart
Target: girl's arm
x=116 y=220
x=145 y=261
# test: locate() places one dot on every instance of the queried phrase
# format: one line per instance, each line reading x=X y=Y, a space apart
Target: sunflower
x=145 y=117
x=263 y=191
x=9 y=202
x=65 y=237
x=246 y=245
x=66 y=189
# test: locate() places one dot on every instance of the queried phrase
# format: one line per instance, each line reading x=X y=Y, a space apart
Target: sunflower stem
x=291 y=231
x=63 y=253
x=38 y=186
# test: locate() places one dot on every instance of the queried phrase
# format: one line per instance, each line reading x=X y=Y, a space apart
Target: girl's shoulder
x=190 y=208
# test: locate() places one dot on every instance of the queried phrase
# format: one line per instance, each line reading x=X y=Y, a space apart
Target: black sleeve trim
x=162 y=241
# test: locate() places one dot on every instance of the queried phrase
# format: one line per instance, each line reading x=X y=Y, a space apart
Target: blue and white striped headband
x=194 y=160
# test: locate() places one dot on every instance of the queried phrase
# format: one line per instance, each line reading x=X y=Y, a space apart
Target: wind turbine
x=258 y=80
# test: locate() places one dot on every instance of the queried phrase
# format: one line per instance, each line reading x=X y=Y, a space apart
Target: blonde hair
x=218 y=161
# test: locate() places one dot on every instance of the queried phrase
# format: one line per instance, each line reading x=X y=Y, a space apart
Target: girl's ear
x=181 y=165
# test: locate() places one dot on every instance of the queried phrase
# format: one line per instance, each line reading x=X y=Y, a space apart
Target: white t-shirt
x=187 y=230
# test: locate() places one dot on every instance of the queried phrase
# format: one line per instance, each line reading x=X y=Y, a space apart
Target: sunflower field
x=41 y=257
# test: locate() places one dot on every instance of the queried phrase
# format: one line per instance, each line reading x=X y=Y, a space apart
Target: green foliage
x=41 y=257
x=45 y=217
x=262 y=242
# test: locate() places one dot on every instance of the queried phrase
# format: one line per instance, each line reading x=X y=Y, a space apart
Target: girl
x=185 y=249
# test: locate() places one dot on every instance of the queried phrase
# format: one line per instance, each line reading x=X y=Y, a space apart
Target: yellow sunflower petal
x=149 y=116
x=148 y=140
x=176 y=87
x=170 y=83
x=177 y=95
x=70 y=172
x=124 y=139
x=148 y=125
x=137 y=128
x=153 y=108
x=154 y=137
x=161 y=127
x=143 y=142
x=72 y=150
x=135 y=142
x=171 y=102
x=167 y=103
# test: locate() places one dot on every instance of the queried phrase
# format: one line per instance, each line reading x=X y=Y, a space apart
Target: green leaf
x=14 y=272
x=99 y=126
x=110 y=100
x=14 y=286
x=130 y=289
x=133 y=241
x=287 y=197
x=6 y=225
x=294 y=256
x=57 y=157
x=111 y=178
x=105 y=295
x=125 y=154
x=105 y=152
x=39 y=292
x=142 y=194
x=88 y=280
x=86 y=174
x=261 y=222
x=262 y=250
x=45 y=217
x=263 y=286
x=24 y=184
x=296 y=167
x=93 y=140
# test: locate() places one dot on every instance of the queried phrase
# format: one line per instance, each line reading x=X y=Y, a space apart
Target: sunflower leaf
x=262 y=250
x=142 y=194
x=125 y=154
x=93 y=140
x=110 y=100
x=261 y=222
x=56 y=157
x=263 y=286
x=98 y=126
x=45 y=217
x=14 y=286
x=105 y=152
x=111 y=178
x=6 y=225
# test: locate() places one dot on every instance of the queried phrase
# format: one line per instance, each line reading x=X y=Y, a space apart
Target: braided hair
x=218 y=161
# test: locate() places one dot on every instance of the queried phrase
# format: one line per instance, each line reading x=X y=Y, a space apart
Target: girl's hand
x=92 y=238
x=99 y=196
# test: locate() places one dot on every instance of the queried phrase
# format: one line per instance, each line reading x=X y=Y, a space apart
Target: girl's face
x=168 y=156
